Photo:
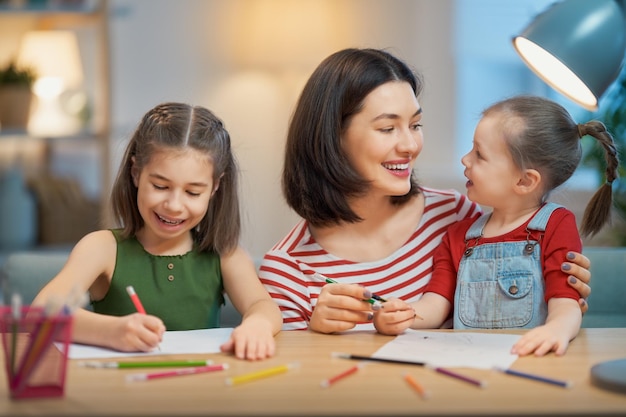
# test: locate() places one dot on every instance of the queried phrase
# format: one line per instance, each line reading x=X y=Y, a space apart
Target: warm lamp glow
x=555 y=73
x=55 y=57
x=53 y=53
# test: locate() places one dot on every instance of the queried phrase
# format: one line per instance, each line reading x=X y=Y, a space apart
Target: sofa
x=27 y=272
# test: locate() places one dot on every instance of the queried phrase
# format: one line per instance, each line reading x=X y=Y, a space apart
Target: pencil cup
x=35 y=351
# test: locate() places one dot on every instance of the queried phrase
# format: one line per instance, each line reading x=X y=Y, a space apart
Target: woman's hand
x=340 y=307
x=577 y=266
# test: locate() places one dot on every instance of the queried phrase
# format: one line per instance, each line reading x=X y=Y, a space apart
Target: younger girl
x=176 y=199
x=503 y=270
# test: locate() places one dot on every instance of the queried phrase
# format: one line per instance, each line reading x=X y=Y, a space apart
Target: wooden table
x=378 y=389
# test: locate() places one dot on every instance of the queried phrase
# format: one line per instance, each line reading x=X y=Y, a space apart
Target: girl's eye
x=193 y=194
x=417 y=126
x=159 y=187
x=387 y=130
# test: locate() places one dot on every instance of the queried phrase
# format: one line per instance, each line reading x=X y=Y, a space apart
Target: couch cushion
x=607 y=302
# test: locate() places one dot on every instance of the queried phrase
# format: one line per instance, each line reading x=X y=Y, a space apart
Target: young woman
x=351 y=148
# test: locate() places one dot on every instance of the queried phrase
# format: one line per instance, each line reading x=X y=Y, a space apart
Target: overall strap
x=538 y=222
x=540 y=219
x=476 y=229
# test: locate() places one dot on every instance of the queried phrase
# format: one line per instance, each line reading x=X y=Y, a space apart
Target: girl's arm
x=562 y=325
x=395 y=316
x=431 y=311
x=89 y=269
x=564 y=313
x=254 y=338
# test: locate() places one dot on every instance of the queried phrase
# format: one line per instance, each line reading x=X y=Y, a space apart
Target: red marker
x=135 y=299
x=178 y=372
x=328 y=382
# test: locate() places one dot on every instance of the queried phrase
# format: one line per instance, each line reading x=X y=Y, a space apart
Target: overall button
x=170 y=266
x=513 y=289
x=170 y=278
x=529 y=248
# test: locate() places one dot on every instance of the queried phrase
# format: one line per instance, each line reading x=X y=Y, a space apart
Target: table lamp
x=56 y=58
x=577 y=47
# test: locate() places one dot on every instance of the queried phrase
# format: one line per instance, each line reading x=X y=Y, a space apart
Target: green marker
x=372 y=300
x=144 y=364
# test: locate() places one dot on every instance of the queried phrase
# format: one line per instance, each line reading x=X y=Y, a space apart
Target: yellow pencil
x=264 y=373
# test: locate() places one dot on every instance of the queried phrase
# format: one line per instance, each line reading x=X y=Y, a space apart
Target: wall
x=248 y=60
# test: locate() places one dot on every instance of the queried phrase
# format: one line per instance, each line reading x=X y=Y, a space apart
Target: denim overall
x=501 y=285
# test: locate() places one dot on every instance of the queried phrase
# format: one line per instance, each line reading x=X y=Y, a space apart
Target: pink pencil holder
x=35 y=352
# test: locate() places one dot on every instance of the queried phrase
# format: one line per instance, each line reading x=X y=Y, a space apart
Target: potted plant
x=15 y=95
x=613 y=114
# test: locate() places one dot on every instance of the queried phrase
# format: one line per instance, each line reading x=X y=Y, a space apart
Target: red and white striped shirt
x=287 y=269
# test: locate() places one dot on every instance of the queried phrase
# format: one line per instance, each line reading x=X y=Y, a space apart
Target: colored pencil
x=564 y=384
x=419 y=388
x=41 y=338
x=135 y=299
x=16 y=313
x=264 y=373
x=145 y=364
x=177 y=372
x=330 y=381
x=469 y=380
x=374 y=359
x=374 y=299
x=137 y=302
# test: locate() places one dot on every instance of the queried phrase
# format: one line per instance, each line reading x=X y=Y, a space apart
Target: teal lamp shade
x=577 y=47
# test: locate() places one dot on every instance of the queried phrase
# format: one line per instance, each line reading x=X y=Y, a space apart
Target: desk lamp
x=577 y=47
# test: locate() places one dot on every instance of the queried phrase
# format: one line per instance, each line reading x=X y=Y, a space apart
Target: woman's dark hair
x=175 y=126
x=317 y=176
x=541 y=135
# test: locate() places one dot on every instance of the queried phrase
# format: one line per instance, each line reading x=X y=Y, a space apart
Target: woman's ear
x=529 y=181
x=134 y=172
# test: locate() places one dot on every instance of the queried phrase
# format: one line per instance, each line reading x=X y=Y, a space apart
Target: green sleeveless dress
x=185 y=291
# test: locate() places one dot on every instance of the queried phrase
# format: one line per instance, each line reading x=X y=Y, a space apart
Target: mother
x=367 y=222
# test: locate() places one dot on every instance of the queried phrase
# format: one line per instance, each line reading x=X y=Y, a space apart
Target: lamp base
x=610 y=375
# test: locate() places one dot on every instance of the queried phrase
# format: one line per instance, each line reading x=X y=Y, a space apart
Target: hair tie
x=581 y=129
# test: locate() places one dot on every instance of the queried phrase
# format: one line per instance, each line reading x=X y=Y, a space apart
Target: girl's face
x=173 y=191
x=489 y=166
x=384 y=138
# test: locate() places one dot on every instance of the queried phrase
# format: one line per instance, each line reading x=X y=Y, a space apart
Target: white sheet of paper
x=452 y=349
x=174 y=342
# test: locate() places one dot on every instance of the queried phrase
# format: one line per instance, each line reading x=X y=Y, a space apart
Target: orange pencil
x=416 y=385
